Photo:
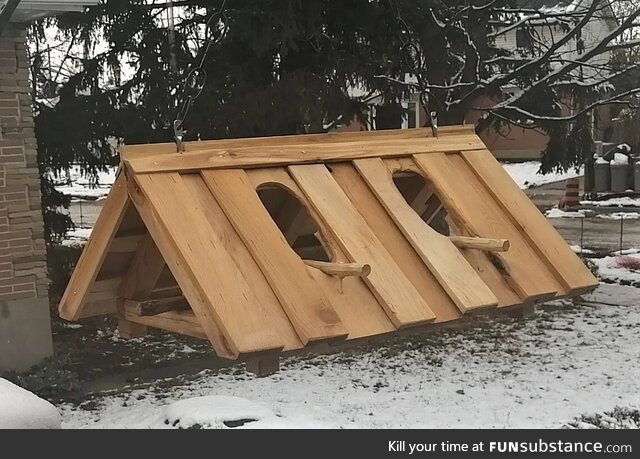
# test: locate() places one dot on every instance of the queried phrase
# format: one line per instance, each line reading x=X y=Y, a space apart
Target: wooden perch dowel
x=480 y=243
x=340 y=269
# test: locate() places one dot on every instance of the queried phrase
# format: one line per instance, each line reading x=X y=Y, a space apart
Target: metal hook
x=434 y=123
x=178 y=134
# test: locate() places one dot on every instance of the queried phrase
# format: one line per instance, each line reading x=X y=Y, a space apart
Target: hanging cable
x=197 y=76
x=413 y=59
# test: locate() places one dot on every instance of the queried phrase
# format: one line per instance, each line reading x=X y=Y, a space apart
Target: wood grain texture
x=219 y=294
x=352 y=299
x=400 y=250
x=95 y=251
x=548 y=243
x=439 y=254
x=269 y=156
x=311 y=314
x=402 y=303
x=480 y=243
x=145 y=150
x=481 y=261
x=182 y=322
x=142 y=276
x=273 y=315
x=466 y=200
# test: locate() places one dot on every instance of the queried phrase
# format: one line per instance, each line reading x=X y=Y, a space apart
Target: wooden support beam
x=155 y=149
x=340 y=269
x=263 y=156
x=182 y=322
x=480 y=243
x=158 y=306
x=143 y=274
x=263 y=365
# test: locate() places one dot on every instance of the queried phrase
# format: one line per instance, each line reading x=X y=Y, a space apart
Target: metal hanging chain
x=414 y=60
x=197 y=76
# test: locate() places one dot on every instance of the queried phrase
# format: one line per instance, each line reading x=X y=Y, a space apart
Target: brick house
x=25 y=325
x=516 y=143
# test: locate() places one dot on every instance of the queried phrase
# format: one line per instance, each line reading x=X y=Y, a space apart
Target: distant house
x=515 y=142
x=25 y=326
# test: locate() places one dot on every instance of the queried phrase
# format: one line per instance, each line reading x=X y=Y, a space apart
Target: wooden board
x=274 y=315
x=402 y=303
x=310 y=312
x=356 y=306
x=444 y=259
x=145 y=150
x=402 y=253
x=467 y=203
x=256 y=156
x=142 y=276
x=561 y=260
x=95 y=251
x=479 y=260
x=221 y=297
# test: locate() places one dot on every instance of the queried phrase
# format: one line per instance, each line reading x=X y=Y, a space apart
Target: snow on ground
x=620 y=268
x=620 y=216
x=78 y=184
x=20 y=409
x=541 y=372
x=559 y=213
x=77 y=236
x=218 y=412
x=526 y=174
x=624 y=201
x=619 y=418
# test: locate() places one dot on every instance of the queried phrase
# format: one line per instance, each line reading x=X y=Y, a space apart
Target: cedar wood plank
x=216 y=289
x=400 y=250
x=212 y=211
x=310 y=312
x=402 y=303
x=95 y=251
x=445 y=261
x=142 y=276
x=479 y=260
x=263 y=156
x=144 y=150
x=566 y=265
x=356 y=306
x=465 y=198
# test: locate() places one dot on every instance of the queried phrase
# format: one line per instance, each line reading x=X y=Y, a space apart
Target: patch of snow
x=21 y=409
x=526 y=174
x=559 y=213
x=620 y=159
x=214 y=412
x=624 y=201
x=619 y=418
x=601 y=160
x=578 y=249
x=620 y=216
x=611 y=270
x=77 y=236
x=78 y=185
x=535 y=373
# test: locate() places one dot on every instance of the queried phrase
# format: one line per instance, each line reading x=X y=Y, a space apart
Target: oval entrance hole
x=294 y=221
x=420 y=197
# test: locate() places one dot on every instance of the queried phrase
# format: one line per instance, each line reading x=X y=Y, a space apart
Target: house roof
x=29 y=10
x=185 y=241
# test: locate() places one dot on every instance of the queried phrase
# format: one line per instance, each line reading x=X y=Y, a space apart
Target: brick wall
x=23 y=271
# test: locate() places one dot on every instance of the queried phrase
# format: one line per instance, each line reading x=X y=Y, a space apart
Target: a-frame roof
x=190 y=242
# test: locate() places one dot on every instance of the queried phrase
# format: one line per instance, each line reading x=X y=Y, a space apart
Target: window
x=524 y=39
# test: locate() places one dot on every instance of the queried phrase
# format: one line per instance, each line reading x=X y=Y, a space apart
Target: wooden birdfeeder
x=269 y=245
